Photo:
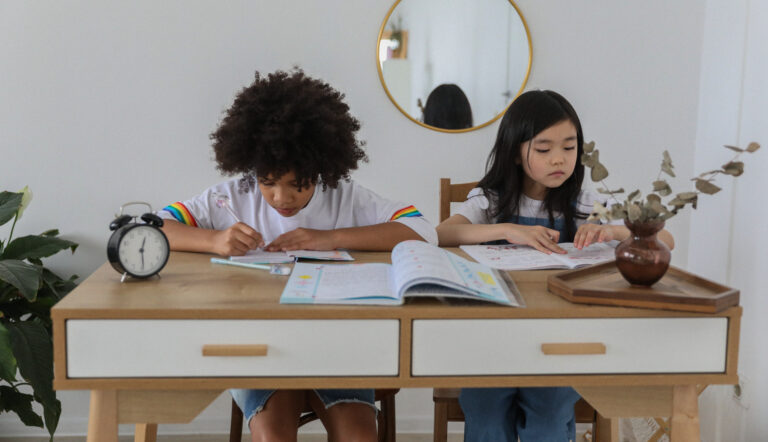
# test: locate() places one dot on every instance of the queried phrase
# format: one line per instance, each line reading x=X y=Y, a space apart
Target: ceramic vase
x=642 y=259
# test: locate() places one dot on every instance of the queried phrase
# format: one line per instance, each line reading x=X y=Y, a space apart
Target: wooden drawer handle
x=575 y=348
x=235 y=350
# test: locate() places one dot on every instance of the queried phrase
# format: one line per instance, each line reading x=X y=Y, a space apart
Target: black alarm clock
x=137 y=249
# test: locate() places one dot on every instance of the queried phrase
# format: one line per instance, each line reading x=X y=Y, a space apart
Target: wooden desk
x=138 y=346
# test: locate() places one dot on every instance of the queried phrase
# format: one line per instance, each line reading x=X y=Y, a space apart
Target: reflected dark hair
x=527 y=116
x=288 y=122
x=448 y=108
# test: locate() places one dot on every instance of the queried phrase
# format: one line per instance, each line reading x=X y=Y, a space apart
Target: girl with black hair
x=532 y=195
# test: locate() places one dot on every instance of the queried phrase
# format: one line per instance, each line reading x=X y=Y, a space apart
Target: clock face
x=143 y=250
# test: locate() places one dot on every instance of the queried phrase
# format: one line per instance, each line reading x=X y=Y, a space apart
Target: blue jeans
x=253 y=401
x=541 y=414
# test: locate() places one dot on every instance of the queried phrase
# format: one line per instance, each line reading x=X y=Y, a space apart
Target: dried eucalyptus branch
x=636 y=209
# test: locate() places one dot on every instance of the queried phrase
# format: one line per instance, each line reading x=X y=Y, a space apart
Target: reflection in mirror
x=479 y=49
x=447 y=108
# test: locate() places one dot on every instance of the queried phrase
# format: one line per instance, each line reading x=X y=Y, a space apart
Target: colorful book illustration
x=417 y=269
x=519 y=257
x=259 y=256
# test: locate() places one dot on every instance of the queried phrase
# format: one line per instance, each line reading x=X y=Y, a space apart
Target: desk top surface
x=193 y=288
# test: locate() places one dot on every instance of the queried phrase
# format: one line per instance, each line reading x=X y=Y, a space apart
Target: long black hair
x=530 y=114
x=448 y=108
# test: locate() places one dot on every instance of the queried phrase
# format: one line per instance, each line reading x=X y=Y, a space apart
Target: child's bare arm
x=375 y=238
x=591 y=233
x=235 y=240
x=458 y=230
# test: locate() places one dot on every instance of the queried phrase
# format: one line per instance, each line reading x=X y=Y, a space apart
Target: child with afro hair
x=293 y=143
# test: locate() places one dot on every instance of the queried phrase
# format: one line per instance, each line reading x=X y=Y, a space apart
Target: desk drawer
x=514 y=347
x=174 y=348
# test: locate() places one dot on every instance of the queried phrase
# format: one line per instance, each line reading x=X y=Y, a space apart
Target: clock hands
x=141 y=250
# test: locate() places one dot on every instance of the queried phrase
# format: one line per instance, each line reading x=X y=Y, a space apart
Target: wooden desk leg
x=145 y=433
x=685 y=414
x=440 y=432
x=102 y=419
x=606 y=429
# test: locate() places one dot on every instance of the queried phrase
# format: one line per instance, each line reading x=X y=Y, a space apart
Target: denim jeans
x=253 y=401
x=540 y=414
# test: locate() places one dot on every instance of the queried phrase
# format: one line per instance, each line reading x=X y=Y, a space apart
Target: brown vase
x=642 y=259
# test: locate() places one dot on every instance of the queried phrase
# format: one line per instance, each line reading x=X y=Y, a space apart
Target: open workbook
x=417 y=269
x=519 y=257
x=259 y=256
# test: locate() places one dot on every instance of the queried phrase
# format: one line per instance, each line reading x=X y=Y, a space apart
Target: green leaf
x=734 y=168
x=737 y=149
x=589 y=147
x=607 y=192
x=33 y=246
x=51 y=415
x=23 y=276
x=58 y=287
x=21 y=404
x=51 y=232
x=7 y=361
x=599 y=172
x=633 y=195
x=34 y=354
x=752 y=147
x=634 y=212
x=707 y=187
x=9 y=206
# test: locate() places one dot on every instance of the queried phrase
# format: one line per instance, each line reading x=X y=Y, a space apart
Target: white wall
x=728 y=237
x=107 y=102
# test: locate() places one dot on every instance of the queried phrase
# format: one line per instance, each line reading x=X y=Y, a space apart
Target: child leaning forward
x=293 y=140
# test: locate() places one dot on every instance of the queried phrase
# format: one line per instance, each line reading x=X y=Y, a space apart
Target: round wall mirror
x=453 y=65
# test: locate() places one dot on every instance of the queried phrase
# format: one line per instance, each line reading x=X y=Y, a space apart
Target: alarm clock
x=137 y=249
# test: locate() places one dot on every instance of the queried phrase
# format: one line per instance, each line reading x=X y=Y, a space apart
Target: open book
x=259 y=256
x=519 y=257
x=417 y=269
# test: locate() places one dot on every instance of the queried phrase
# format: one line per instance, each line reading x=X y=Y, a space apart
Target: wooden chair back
x=452 y=193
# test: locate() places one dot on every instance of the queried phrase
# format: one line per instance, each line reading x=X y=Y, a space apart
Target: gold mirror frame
x=383 y=31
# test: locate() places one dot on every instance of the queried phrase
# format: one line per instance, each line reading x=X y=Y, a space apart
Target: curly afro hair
x=288 y=122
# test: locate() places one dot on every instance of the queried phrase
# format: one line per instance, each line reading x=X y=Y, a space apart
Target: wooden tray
x=677 y=290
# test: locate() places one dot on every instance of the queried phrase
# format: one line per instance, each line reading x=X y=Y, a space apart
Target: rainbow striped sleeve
x=181 y=214
x=406 y=212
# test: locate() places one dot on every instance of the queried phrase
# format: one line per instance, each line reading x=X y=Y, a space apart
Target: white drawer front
x=513 y=347
x=173 y=348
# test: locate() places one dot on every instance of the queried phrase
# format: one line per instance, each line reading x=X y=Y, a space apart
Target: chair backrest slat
x=452 y=193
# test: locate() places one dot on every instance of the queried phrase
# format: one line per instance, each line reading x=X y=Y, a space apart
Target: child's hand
x=592 y=233
x=303 y=239
x=538 y=237
x=236 y=240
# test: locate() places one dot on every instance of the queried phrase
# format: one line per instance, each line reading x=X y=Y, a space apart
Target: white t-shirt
x=531 y=211
x=348 y=205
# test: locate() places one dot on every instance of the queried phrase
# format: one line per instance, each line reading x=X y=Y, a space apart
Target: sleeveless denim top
x=532 y=221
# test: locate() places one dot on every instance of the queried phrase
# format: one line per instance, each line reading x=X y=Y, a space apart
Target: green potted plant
x=28 y=290
x=642 y=259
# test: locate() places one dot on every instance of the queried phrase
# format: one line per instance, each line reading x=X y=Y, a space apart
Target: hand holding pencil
x=238 y=238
